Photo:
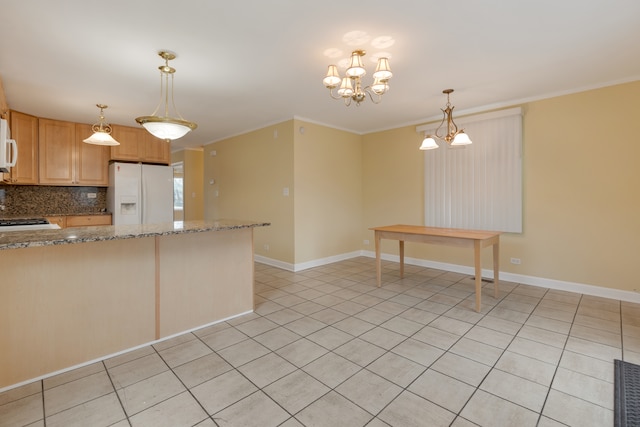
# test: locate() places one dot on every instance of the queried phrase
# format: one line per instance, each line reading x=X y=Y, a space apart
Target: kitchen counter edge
x=35 y=238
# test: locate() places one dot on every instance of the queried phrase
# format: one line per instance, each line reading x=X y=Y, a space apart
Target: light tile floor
x=326 y=347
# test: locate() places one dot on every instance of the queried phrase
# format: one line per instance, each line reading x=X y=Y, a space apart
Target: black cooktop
x=22 y=221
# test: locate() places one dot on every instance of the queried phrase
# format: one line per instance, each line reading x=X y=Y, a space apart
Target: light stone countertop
x=64 y=236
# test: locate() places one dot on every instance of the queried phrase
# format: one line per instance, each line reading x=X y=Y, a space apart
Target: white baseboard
x=273 y=262
x=543 y=282
x=580 y=288
x=306 y=265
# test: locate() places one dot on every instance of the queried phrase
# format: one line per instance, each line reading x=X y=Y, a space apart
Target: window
x=178 y=200
x=178 y=191
x=478 y=186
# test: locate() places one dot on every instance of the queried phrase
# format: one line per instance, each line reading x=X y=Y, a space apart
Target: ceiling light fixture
x=166 y=127
x=350 y=86
x=101 y=131
x=454 y=137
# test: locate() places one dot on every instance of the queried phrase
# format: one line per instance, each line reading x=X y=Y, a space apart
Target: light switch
x=285 y=191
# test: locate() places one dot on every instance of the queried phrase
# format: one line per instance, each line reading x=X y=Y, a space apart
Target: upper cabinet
x=156 y=150
x=64 y=159
x=138 y=145
x=92 y=163
x=57 y=152
x=131 y=143
x=24 y=129
x=52 y=152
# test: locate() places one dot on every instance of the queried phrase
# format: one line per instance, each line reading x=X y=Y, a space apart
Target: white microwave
x=8 y=148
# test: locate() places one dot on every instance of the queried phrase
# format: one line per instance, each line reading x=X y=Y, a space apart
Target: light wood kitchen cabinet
x=64 y=159
x=92 y=161
x=86 y=220
x=131 y=143
x=79 y=220
x=60 y=221
x=56 y=152
x=156 y=150
x=138 y=145
x=24 y=129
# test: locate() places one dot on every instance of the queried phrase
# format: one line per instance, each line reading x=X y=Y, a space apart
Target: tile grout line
x=501 y=354
x=115 y=390
x=334 y=278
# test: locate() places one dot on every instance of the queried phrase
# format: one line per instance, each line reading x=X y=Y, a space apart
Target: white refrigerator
x=140 y=194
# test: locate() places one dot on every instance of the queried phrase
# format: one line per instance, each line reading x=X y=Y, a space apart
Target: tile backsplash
x=37 y=200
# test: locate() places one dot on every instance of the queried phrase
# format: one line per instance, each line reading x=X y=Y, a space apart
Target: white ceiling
x=245 y=64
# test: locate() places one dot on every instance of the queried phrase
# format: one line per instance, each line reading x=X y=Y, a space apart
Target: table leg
x=401 y=258
x=496 y=268
x=378 y=266
x=478 y=268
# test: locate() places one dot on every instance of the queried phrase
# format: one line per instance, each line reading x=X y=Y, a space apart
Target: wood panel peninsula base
x=475 y=239
x=115 y=289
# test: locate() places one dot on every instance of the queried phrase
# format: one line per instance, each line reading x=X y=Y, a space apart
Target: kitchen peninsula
x=72 y=296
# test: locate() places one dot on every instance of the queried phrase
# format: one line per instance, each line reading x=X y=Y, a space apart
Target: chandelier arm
x=437 y=134
x=452 y=128
x=334 y=96
x=371 y=93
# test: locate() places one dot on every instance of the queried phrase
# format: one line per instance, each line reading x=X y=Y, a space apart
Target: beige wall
x=250 y=172
x=581 y=190
x=320 y=168
x=193 y=171
x=328 y=198
x=193 y=185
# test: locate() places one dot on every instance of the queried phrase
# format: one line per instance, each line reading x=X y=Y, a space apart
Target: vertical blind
x=478 y=186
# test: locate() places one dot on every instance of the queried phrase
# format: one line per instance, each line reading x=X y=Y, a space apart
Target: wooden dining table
x=476 y=239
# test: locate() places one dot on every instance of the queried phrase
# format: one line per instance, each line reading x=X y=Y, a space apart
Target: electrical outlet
x=515 y=261
x=266 y=247
x=91 y=195
x=366 y=242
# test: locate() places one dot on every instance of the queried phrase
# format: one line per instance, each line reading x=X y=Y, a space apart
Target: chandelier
x=101 y=131
x=166 y=127
x=454 y=137
x=350 y=87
